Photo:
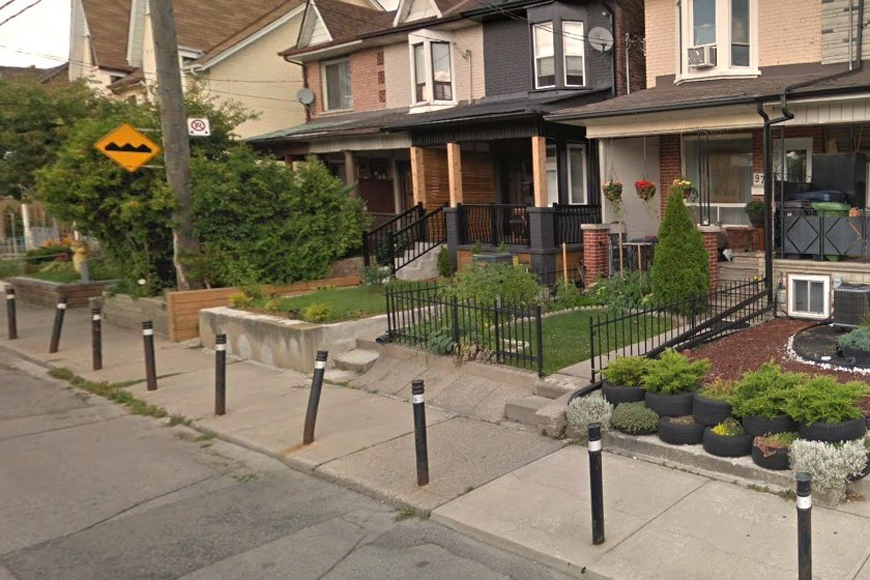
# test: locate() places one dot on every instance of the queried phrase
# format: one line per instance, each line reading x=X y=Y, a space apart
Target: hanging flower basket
x=685 y=187
x=613 y=191
x=646 y=190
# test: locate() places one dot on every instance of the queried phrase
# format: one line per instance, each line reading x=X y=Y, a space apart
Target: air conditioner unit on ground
x=702 y=56
x=851 y=304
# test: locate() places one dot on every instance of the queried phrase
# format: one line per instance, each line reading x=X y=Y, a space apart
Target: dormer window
x=559 y=54
x=432 y=70
x=717 y=38
x=545 y=57
x=573 y=41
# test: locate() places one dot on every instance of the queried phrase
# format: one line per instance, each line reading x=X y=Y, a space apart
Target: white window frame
x=544 y=26
x=565 y=53
x=325 y=84
x=715 y=206
x=582 y=150
x=552 y=167
x=723 y=69
x=793 y=144
x=426 y=38
x=826 y=290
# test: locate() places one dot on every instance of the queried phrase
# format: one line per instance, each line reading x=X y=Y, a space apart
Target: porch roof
x=331 y=125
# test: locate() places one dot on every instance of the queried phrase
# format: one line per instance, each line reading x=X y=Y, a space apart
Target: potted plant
x=771 y=451
x=685 y=187
x=671 y=382
x=623 y=379
x=755 y=210
x=613 y=192
x=856 y=344
x=680 y=430
x=710 y=405
x=827 y=410
x=646 y=190
x=759 y=398
x=634 y=419
x=727 y=439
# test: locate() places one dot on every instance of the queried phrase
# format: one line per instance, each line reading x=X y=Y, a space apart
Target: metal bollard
x=419 y=403
x=314 y=397
x=596 y=484
x=11 y=317
x=220 y=374
x=805 y=526
x=150 y=364
x=58 y=325
x=97 y=338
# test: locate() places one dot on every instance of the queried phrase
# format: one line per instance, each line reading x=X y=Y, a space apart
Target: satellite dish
x=305 y=96
x=600 y=39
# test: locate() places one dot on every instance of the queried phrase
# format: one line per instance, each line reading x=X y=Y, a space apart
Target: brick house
x=724 y=78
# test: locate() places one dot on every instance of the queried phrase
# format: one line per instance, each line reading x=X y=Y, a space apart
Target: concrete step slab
x=524 y=410
x=357 y=360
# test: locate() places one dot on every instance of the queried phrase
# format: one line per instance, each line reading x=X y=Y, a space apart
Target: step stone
x=357 y=360
x=524 y=410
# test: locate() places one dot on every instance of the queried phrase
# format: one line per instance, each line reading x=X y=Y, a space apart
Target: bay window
x=545 y=56
x=573 y=47
x=442 y=89
x=739 y=32
x=338 y=94
x=431 y=70
x=717 y=38
x=419 y=51
x=703 y=22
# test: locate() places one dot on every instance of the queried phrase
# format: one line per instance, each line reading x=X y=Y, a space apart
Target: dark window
x=419 y=73
x=442 y=89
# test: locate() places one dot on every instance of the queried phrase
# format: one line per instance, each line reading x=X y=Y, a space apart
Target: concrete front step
x=524 y=410
x=357 y=360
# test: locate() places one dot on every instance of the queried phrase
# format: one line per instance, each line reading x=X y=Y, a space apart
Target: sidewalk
x=496 y=482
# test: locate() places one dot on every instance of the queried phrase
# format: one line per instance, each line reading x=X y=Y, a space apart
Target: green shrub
x=477 y=248
x=763 y=392
x=317 y=312
x=10 y=268
x=624 y=292
x=241 y=300
x=444 y=265
x=768 y=444
x=583 y=411
x=440 y=341
x=375 y=275
x=823 y=399
x=627 y=371
x=634 y=418
x=485 y=284
x=828 y=463
x=568 y=296
x=754 y=206
x=674 y=373
x=680 y=267
x=719 y=390
x=858 y=338
x=48 y=253
x=730 y=427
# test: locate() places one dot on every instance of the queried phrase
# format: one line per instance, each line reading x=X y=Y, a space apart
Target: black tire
x=616 y=394
x=776 y=462
x=670 y=405
x=710 y=412
x=722 y=446
x=677 y=434
x=755 y=425
x=834 y=432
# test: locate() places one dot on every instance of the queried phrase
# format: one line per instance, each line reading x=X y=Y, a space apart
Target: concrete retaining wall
x=128 y=312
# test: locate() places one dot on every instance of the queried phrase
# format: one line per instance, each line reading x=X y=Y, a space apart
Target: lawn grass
x=344 y=303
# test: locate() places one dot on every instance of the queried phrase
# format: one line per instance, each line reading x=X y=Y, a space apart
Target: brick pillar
x=710 y=235
x=595 y=243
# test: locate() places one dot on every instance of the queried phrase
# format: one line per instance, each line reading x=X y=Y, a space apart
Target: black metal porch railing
x=418 y=238
x=806 y=233
x=569 y=218
x=494 y=223
x=377 y=246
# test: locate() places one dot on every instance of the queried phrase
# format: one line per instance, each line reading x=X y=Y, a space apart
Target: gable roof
x=343 y=21
x=203 y=24
x=108 y=25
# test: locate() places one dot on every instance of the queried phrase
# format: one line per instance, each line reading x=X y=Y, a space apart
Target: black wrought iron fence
x=421 y=316
x=378 y=246
x=418 y=238
x=807 y=233
x=494 y=223
x=569 y=218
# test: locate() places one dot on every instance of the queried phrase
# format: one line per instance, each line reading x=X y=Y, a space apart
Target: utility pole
x=176 y=147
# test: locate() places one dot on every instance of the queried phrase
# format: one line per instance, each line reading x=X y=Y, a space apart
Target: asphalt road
x=88 y=492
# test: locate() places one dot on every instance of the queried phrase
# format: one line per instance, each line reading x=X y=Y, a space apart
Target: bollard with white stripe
x=596 y=483
x=418 y=400
x=805 y=526
x=220 y=374
x=97 y=338
x=314 y=397
x=58 y=325
x=11 y=317
x=150 y=363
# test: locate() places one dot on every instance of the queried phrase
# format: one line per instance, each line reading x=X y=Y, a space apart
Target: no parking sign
x=197 y=127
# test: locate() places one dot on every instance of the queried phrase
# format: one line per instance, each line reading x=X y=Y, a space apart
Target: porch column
x=350 y=170
x=418 y=175
x=595 y=244
x=542 y=241
x=710 y=235
x=454 y=173
x=539 y=170
x=28 y=233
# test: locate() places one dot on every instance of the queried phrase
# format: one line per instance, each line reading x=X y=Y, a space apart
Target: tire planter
x=709 y=411
x=722 y=446
x=755 y=425
x=778 y=461
x=834 y=432
x=639 y=433
x=862 y=357
x=616 y=394
x=677 y=434
x=670 y=405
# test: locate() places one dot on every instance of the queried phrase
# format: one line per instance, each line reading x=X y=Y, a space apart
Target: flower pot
x=670 y=405
x=756 y=218
x=678 y=434
x=756 y=425
x=862 y=357
x=777 y=461
x=616 y=394
x=864 y=473
x=710 y=412
x=834 y=432
x=724 y=446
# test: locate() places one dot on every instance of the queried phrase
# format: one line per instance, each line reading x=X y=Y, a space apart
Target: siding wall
x=835 y=30
x=508 y=55
x=397 y=67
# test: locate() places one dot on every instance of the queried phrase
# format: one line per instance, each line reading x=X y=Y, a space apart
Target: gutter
x=607 y=6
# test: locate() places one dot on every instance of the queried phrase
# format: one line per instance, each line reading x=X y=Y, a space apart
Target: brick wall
x=629 y=16
x=670 y=165
x=661 y=34
x=799 y=40
x=367 y=77
x=711 y=245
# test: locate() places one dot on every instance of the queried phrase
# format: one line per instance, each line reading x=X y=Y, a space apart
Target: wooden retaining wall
x=45 y=293
x=184 y=307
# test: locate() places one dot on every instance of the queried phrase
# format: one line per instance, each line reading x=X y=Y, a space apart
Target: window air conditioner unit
x=851 y=304
x=702 y=56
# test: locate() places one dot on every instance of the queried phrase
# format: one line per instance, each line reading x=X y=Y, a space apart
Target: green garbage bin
x=832 y=209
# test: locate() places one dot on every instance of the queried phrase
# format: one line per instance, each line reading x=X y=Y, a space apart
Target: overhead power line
x=20 y=12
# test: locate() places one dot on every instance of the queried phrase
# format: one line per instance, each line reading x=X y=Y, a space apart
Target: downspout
x=610 y=11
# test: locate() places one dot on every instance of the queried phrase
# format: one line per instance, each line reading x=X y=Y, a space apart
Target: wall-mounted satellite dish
x=305 y=96
x=600 y=39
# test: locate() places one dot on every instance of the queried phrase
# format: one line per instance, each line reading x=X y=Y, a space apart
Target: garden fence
x=421 y=316
x=494 y=224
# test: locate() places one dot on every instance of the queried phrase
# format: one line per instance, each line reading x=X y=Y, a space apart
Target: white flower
x=141 y=281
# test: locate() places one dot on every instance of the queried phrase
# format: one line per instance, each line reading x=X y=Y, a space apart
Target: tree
x=680 y=267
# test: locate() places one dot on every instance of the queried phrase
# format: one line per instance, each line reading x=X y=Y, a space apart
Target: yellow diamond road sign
x=128 y=147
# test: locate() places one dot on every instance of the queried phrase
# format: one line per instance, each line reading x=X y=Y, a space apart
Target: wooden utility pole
x=176 y=147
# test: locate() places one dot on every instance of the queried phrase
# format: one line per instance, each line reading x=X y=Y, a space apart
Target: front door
x=406 y=187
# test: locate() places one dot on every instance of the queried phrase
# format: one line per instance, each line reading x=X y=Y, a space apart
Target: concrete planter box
x=128 y=312
x=44 y=293
x=282 y=342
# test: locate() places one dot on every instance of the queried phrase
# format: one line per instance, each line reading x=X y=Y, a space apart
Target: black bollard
x=314 y=397
x=97 y=338
x=58 y=325
x=805 y=526
x=150 y=364
x=419 y=403
x=11 y=317
x=596 y=484
x=220 y=374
